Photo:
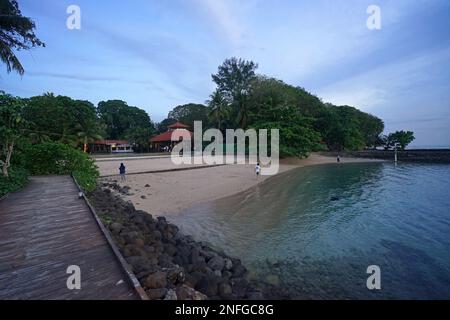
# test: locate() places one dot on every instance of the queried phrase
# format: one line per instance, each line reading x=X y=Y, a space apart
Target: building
x=163 y=140
x=110 y=146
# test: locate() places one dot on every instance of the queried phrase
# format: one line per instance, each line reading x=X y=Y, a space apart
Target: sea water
x=314 y=231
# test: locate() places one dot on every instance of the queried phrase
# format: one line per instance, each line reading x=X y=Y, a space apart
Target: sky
x=159 y=54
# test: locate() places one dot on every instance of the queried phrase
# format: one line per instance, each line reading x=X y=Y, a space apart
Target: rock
x=138 y=264
x=216 y=263
x=169 y=249
x=176 y=275
x=156 y=280
x=255 y=295
x=156 y=235
x=143 y=197
x=228 y=264
x=225 y=290
x=239 y=271
x=171 y=295
x=115 y=227
x=187 y=293
x=193 y=278
x=158 y=293
x=139 y=243
x=165 y=261
x=208 y=286
x=147 y=186
x=218 y=273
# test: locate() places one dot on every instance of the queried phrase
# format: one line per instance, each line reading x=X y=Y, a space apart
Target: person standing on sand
x=122 y=172
x=338 y=158
x=257 y=169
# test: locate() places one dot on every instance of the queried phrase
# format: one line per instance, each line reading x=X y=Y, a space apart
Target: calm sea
x=315 y=230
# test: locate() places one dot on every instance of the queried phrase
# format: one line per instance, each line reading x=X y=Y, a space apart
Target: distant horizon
x=156 y=55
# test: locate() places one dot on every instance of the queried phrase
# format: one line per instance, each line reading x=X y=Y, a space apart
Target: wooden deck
x=44 y=229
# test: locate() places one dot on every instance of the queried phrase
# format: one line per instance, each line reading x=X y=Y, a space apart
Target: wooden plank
x=45 y=228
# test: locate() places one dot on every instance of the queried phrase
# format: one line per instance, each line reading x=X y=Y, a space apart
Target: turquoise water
x=315 y=230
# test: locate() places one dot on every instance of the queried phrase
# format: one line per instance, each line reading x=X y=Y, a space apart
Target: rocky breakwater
x=168 y=264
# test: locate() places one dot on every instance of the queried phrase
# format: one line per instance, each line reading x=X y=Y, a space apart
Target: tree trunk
x=85 y=145
x=7 y=162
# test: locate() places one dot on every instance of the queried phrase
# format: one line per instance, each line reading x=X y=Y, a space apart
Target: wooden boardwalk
x=44 y=229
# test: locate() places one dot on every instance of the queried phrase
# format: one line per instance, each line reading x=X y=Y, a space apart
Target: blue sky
x=159 y=54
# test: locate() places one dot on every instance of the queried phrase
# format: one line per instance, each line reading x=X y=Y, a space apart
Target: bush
x=59 y=158
x=18 y=178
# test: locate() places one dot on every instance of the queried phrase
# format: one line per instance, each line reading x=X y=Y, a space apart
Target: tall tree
x=233 y=80
x=218 y=107
x=16 y=33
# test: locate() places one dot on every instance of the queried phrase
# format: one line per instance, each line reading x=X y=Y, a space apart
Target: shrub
x=18 y=178
x=59 y=158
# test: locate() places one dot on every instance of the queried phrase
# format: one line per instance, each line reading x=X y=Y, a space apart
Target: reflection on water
x=315 y=230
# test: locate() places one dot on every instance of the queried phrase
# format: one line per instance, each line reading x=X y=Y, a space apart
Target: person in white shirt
x=257 y=169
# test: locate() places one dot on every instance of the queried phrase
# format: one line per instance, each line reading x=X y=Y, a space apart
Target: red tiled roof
x=166 y=136
x=178 y=125
x=109 y=142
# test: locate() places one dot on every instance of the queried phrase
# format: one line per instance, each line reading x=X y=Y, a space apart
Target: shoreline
x=168 y=193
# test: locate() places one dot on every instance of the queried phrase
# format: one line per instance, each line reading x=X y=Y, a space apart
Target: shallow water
x=315 y=230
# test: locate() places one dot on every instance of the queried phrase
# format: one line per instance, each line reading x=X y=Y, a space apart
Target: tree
x=163 y=126
x=16 y=32
x=62 y=119
x=218 y=107
x=188 y=113
x=11 y=126
x=402 y=138
x=233 y=80
x=120 y=118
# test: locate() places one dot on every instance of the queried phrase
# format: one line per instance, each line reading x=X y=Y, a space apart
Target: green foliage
x=59 y=158
x=16 y=33
x=297 y=136
x=62 y=119
x=16 y=180
x=11 y=127
x=347 y=128
x=163 y=126
x=219 y=108
x=401 y=138
x=188 y=113
x=121 y=119
x=233 y=80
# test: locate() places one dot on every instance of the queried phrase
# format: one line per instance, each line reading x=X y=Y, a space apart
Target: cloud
x=223 y=16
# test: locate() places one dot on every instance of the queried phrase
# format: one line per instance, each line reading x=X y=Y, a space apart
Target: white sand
x=171 y=192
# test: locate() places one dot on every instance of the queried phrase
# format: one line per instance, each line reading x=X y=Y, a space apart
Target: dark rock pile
x=168 y=264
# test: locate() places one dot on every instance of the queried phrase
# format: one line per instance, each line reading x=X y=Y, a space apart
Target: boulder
x=187 y=293
x=158 y=293
x=216 y=263
x=171 y=295
x=225 y=290
x=156 y=280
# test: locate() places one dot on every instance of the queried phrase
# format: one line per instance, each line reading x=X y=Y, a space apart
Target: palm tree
x=88 y=132
x=218 y=106
x=16 y=32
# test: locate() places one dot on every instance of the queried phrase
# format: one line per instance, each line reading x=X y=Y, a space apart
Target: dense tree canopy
x=188 y=113
x=122 y=120
x=16 y=33
x=401 y=138
x=62 y=119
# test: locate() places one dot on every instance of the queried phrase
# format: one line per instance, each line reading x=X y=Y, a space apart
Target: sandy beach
x=171 y=192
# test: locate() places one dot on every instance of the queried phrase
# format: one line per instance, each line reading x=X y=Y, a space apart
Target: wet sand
x=171 y=192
